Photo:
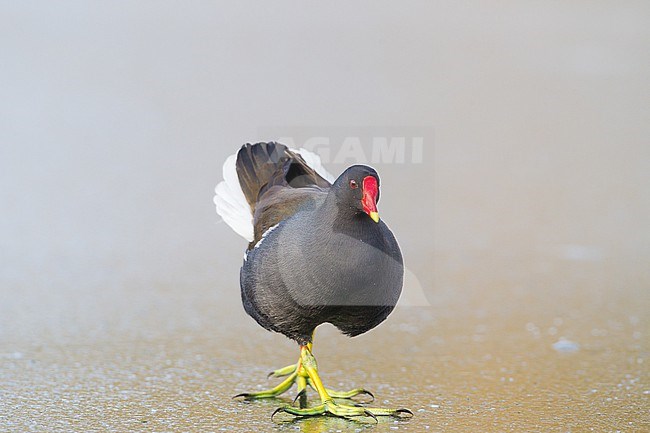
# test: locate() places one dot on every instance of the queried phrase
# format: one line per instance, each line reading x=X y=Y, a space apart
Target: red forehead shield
x=370 y=194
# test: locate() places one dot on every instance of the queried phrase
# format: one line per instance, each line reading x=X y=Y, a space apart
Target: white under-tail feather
x=231 y=203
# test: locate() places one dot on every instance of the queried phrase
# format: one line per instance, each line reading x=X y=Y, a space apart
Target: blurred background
x=524 y=224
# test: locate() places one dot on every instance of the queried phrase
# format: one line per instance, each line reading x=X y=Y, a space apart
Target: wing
x=265 y=183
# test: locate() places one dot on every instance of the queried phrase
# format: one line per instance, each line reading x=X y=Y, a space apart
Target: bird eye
x=353 y=184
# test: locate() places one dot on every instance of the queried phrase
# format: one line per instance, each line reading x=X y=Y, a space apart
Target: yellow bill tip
x=374 y=216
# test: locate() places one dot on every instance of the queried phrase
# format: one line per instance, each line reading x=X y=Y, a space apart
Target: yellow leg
x=305 y=373
x=286 y=371
x=328 y=404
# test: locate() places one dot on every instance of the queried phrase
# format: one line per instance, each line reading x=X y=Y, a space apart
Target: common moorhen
x=318 y=253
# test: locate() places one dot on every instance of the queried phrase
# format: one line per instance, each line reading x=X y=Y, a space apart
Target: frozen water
x=566 y=346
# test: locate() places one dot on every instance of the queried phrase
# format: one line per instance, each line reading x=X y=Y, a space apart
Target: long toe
x=282 y=372
x=270 y=393
x=397 y=413
x=312 y=411
x=343 y=410
x=349 y=395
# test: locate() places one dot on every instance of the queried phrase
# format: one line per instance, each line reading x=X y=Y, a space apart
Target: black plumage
x=317 y=255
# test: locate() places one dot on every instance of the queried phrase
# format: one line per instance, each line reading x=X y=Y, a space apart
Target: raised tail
x=254 y=169
x=259 y=166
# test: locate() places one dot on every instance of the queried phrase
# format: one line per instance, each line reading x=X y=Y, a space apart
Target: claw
x=368 y=393
x=371 y=415
x=302 y=393
x=243 y=394
x=398 y=413
x=275 y=412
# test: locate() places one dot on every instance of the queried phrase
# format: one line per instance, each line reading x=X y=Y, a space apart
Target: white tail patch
x=231 y=203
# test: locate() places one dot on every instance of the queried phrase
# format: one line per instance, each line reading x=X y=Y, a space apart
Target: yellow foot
x=296 y=374
x=343 y=410
x=307 y=372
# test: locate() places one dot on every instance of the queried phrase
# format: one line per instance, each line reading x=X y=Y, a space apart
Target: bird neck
x=343 y=218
